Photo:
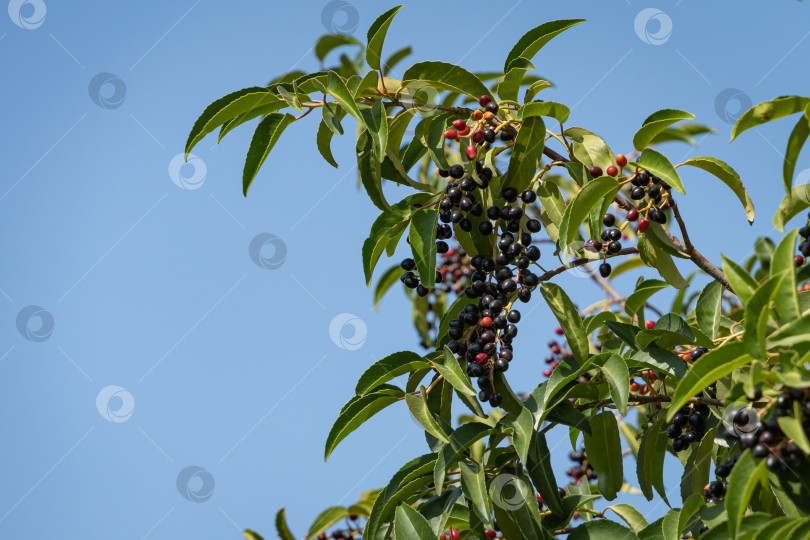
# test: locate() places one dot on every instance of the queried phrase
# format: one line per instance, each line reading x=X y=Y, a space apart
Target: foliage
x=723 y=376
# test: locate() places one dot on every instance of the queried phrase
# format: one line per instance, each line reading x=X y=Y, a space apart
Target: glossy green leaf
x=568 y=316
x=437 y=510
x=474 y=485
x=336 y=87
x=523 y=428
x=793 y=333
x=509 y=87
x=535 y=88
x=264 y=138
x=387 y=229
x=461 y=439
x=290 y=98
x=604 y=450
x=657 y=258
x=635 y=302
x=452 y=371
x=435 y=127
x=558 y=111
x=741 y=281
x=542 y=473
x=658 y=359
x=325 y=519
x=709 y=308
x=552 y=207
x=332 y=115
x=386 y=281
x=418 y=407
x=579 y=208
x=601 y=529
x=281 y=528
x=377 y=124
x=786 y=298
x=368 y=168
x=728 y=176
x=709 y=368
x=657 y=163
x=376 y=36
x=444 y=76
x=534 y=40
x=744 y=477
x=526 y=154
x=646 y=458
x=656 y=123
x=589 y=148
x=630 y=515
x=615 y=371
x=422 y=235
x=795 y=202
x=411 y=525
x=387 y=368
x=768 y=110
x=792 y=427
x=757 y=315
x=330 y=42
x=255 y=112
x=515 y=508
x=795 y=143
x=356 y=412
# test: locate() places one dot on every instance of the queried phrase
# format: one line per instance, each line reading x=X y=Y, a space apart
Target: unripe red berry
x=481 y=358
x=459 y=124
x=483 y=100
x=464 y=132
x=478 y=136
x=632 y=215
x=595 y=171
x=612 y=171
x=643 y=225
x=634 y=386
x=558 y=331
x=451 y=134
x=621 y=160
x=547 y=373
x=490 y=533
x=799 y=260
x=488 y=116
x=649 y=324
x=477 y=115
x=555 y=349
x=454 y=534
x=471 y=151
x=486 y=322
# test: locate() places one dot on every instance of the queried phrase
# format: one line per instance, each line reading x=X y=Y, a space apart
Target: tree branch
x=660 y=398
x=579 y=262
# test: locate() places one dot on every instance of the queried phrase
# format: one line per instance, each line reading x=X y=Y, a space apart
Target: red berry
x=621 y=160
x=558 y=331
x=481 y=358
x=454 y=534
x=632 y=215
x=643 y=225
x=539 y=498
x=471 y=152
x=464 y=132
x=555 y=349
x=490 y=533
x=486 y=322
x=450 y=252
x=634 y=386
x=612 y=171
x=451 y=134
x=483 y=100
x=799 y=260
x=547 y=373
x=649 y=324
x=595 y=171
x=478 y=136
x=459 y=124
x=644 y=390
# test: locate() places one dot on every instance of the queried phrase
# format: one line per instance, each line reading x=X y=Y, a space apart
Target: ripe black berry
x=513 y=316
x=609 y=220
x=442 y=247
x=604 y=270
x=407 y=264
x=456 y=171
x=760 y=450
x=658 y=216
x=679 y=420
x=524 y=295
x=533 y=225
x=443 y=173
x=528 y=196
x=614 y=247
x=637 y=194
x=501 y=365
x=489 y=135
x=495 y=400
x=614 y=234
x=533 y=253
x=510 y=194
x=485 y=228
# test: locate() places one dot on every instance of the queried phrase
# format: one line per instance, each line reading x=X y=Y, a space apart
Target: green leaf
x=552 y=208
x=646 y=458
x=325 y=519
x=452 y=371
x=657 y=163
x=332 y=115
x=474 y=485
x=387 y=229
x=369 y=169
x=589 y=148
x=434 y=129
x=437 y=510
x=388 y=280
x=601 y=529
x=395 y=58
x=251 y=535
x=657 y=258
x=624 y=331
x=570 y=321
x=658 y=359
x=526 y=154
x=604 y=451
x=757 y=314
x=741 y=281
x=656 y=123
x=422 y=235
x=355 y=413
x=535 y=88
x=635 y=302
x=542 y=474
x=534 y=40
x=709 y=368
x=630 y=515
x=615 y=371
x=264 y=138
x=792 y=427
x=418 y=407
x=509 y=87
x=690 y=507
x=376 y=36
x=336 y=87
x=744 y=477
x=796 y=201
x=768 y=110
x=555 y=110
x=329 y=42
x=696 y=473
x=515 y=508
x=281 y=527
x=411 y=525
x=444 y=76
x=377 y=124
x=728 y=176
x=580 y=206
x=523 y=428
x=229 y=107
x=709 y=308
x=793 y=333
x=461 y=439
x=290 y=98
x=795 y=143
x=386 y=369
x=786 y=298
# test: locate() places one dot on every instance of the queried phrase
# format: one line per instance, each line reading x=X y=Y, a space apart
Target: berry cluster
x=583 y=470
x=766 y=439
x=609 y=245
x=344 y=534
x=686 y=427
x=694 y=354
x=455 y=268
x=558 y=352
x=459 y=198
x=481 y=133
x=644 y=387
x=716 y=490
x=804 y=245
x=612 y=170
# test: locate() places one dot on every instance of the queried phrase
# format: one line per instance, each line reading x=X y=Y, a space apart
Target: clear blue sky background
x=230 y=367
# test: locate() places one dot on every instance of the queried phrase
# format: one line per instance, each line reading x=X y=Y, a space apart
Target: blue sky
x=198 y=356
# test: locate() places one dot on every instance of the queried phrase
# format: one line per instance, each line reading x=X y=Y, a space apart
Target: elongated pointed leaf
x=657 y=258
x=744 y=477
x=657 y=163
x=615 y=371
x=542 y=474
x=264 y=138
x=535 y=88
x=355 y=413
x=474 y=485
x=422 y=235
x=601 y=529
x=281 y=528
x=656 y=123
x=376 y=36
x=786 y=298
x=643 y=292
x=329 y=42
x=630 y=515
x=604 y=449
x=369 y=169
x=248 y=116
x=395 y=58
x=526 y=153
x=418 y=407
x=386 y=369
x=337 y=88
x=444 y=76
x=646 y=458
x=728 y=176
x=509 y=87
x=534 y=40
x=757 y=314
x=451 y=370
x=377 y=124
x=768 y=110
x=558 y=111
x=589 y=148
x=325 y=519
x=795 y=143
x=796 y=201
x=741 y=281
x=570 y=321
x=409 y=524
x=578 y=209
x=709 y=308
x=461 y=439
